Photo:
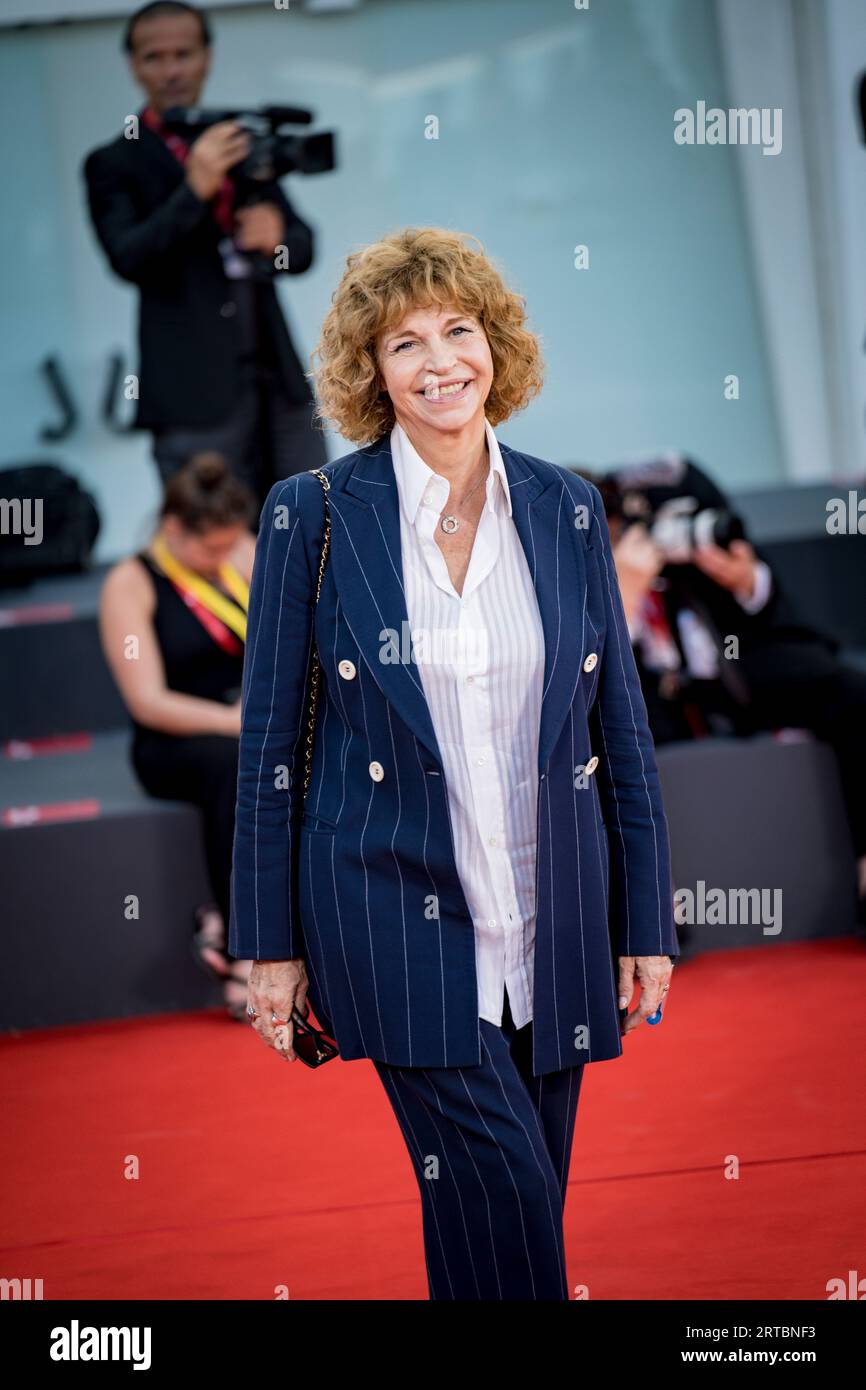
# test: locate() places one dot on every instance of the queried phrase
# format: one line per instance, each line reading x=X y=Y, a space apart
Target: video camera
x=273 y=151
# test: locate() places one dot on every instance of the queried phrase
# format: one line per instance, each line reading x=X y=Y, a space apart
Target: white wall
x=806 y=214
x=64 y=11
x=556 y=128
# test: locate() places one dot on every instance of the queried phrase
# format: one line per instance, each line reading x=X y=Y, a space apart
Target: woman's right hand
x=276 y=987
x=210 y=157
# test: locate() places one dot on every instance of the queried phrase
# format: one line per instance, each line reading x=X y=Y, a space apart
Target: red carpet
x=254 y=1173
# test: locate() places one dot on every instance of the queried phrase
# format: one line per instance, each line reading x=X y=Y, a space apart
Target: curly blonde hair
x=418 y=267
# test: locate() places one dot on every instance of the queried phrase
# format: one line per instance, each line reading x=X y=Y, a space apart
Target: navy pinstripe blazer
x=361 y=879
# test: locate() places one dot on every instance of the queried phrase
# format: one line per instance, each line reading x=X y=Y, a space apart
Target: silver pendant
x=449 y=524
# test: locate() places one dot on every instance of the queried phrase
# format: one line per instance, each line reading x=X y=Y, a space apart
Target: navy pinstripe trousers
x=490 y=1146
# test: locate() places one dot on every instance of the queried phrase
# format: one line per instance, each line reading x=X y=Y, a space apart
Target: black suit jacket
x=160 y=236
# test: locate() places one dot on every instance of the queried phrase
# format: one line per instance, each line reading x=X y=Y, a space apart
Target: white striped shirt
x=480 y=658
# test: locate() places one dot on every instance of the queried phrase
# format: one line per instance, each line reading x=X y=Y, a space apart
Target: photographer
x=691 y=582
x=217 y=369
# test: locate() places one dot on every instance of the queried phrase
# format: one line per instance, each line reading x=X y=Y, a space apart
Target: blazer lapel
x=544 y=518
x=368 y=568
x=367 y=558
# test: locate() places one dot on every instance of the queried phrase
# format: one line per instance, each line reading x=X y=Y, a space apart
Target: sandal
x=208 y=946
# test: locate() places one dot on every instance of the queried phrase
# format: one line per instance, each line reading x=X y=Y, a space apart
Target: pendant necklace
x=449 y=522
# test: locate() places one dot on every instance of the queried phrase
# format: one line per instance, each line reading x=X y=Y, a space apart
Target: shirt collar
x=413 y=474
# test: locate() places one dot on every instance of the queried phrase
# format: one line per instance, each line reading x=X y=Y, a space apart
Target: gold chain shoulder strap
x=315 y=670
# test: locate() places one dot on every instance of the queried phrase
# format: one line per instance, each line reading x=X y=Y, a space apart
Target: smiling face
x=169 y=60
x=437 y=368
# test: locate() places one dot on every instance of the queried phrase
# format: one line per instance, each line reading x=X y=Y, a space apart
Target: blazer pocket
x=318 y=824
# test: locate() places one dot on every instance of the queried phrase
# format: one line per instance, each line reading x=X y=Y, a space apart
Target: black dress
x=201 y=768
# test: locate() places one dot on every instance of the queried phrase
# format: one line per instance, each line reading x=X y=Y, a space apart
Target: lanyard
x=192 y=585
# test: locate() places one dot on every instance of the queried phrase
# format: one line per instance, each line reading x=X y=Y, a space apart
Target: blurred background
x=706 y=301
x=556 y=131
x=696 y=301
x=702 y=311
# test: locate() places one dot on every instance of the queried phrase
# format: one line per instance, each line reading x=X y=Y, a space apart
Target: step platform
x=100 y=883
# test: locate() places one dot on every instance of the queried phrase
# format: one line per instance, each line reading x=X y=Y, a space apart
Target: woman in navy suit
x=478 y=872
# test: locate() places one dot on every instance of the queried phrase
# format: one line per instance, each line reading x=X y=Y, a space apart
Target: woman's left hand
x=654 y=974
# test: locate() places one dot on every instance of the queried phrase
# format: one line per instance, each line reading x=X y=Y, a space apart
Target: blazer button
x=228 y=310
x=377 y=771
x=591 y=766
x=347 y=670
x=591 y=662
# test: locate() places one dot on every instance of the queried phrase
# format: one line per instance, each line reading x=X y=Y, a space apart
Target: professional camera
x=273 y=153
x=655 y=492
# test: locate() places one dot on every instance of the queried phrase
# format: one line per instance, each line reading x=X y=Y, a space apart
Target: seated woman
x=173 y=628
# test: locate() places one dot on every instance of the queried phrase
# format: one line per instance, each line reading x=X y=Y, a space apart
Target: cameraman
x=217 y=369
x=686 y=598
